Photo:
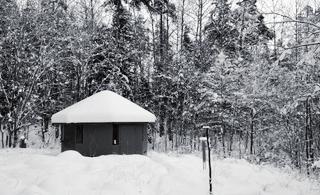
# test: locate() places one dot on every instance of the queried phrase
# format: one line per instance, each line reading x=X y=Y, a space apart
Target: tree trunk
x=9 y=140
x=182 y=24
x=15 y=135
x=191 y=141
x=165 y=125
x=177 y=136
x=45 y=126
x=160 y=66
x=167 y=30
x=231 y=141
x=171 y=135
x=91 y=16
x=274 y=31
x=154 y=134
x=153 y=44
x=200 y=24
x=246 y=141
x=78 y=83
x=296 y=29
x=251 y=132
x=2 y=139
x=223 y=141
x=241 y=37
x=297 y=153
x=2 y=134
x=309 y=137
x=240 y=138
x=209 y=161
x=232 y=133
x=8 y=136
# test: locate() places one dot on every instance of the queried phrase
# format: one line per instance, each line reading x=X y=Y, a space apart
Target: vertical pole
x=204 y=156
x=209 y=161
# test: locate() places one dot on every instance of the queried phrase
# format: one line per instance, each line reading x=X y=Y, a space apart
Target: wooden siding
x=97 y=139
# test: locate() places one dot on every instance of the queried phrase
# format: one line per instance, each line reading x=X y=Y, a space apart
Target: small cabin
x=104 y=123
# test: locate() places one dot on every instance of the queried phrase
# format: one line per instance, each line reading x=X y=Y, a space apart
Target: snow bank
x=238 y=177
x=69 y=173
x=41 y=172
x=105 y=106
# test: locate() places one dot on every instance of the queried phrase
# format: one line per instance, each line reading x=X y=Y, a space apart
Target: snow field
x=238 y=177
x=45 y=172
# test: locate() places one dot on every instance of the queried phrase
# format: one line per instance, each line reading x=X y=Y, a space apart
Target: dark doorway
x=79 y=134
x=68 y=140
x=131 y=139
x=115 y=134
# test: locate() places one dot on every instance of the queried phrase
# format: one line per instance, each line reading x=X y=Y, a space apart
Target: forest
x=252 y=76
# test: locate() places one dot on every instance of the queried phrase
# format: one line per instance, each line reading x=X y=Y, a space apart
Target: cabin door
x=130 y=139
x=68 y=141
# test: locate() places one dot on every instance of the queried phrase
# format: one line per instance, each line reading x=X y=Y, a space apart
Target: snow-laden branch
x=302 y=45
x=292 y=20
x=4 y=90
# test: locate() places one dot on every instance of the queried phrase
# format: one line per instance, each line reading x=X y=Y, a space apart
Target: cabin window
x=115 y=134
x=79 y=134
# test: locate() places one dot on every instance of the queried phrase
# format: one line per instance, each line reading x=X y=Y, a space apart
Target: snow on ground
x=238 y=177
x=45 y=172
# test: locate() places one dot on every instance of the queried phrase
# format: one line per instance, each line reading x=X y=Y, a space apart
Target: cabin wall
x=98 y=139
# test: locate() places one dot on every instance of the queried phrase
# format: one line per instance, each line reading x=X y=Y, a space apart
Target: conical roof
x=103 y=107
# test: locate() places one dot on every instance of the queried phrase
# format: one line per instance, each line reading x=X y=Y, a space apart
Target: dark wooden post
x=209 y=158
x=204 y=156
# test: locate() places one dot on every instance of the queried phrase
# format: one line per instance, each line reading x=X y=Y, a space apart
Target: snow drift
x=35 y=172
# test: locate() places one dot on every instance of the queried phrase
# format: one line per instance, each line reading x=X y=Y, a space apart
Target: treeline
x=192 y=63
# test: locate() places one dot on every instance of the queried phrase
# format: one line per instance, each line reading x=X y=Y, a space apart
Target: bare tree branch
x=303 y=45
x=292 y=20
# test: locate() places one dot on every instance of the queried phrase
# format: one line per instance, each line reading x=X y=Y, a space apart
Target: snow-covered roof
x=103 y=107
